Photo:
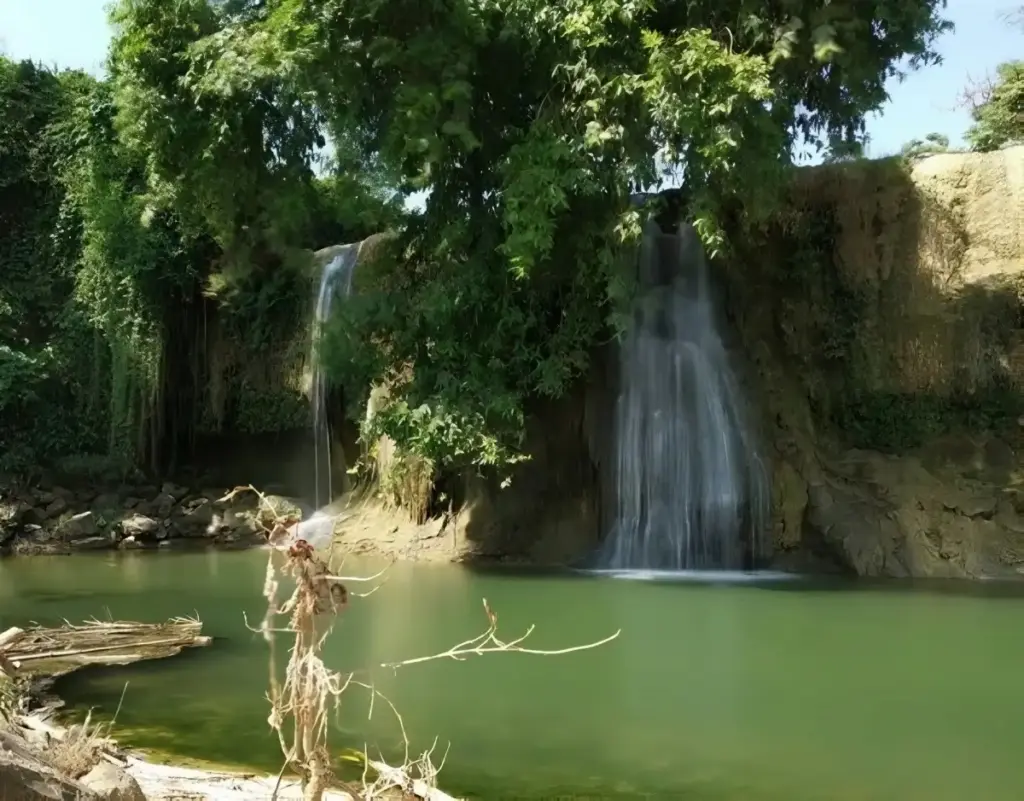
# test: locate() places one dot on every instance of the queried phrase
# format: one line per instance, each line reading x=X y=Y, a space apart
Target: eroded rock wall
x=881 y=318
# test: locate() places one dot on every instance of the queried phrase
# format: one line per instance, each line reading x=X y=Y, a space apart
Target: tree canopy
x=931 y=144
x=527 y=124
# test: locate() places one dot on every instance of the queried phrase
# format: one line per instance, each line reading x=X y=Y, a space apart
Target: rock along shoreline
x=58 y=520
x=53 y=519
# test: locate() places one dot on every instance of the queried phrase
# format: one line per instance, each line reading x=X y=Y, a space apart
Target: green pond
x=789 y=690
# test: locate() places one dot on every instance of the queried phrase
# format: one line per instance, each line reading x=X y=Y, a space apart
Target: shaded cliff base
x=950 y=509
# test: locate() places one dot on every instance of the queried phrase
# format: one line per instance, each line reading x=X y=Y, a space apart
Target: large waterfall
x=690 y=491
x=335 y=280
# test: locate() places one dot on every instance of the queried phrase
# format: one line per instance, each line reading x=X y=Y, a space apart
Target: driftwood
x=39 y=652
x=34 y=657
x=10 y=637
x=400 y=779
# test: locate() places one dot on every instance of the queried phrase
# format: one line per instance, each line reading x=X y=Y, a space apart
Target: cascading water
x=690 y=491
x=335 y=279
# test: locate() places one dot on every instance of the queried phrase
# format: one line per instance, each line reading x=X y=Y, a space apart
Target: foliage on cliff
x=528 y=125
x=102 y=307
x=996 y=104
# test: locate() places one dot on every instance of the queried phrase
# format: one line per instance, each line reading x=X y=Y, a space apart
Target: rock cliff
x=883 y=311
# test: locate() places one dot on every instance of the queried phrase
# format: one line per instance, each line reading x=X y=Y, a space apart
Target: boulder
x=176 y=491
x=44 y=497
x=140 y=527
x=55 y=507
x=890 y=516
x=283 y=507
x=162 y=504
x=111 y=783
x=13 y=515
x=194 y=518
x=107 y=506
x=79 y=526
x=91 y=543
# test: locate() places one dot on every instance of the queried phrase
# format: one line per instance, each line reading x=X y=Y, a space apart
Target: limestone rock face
x=882 y=323
x=882 y=301
x=919 y=515
x=986 y=190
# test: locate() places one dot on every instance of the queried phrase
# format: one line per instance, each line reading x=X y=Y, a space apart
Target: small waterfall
x=335 y=279
x=690 y=490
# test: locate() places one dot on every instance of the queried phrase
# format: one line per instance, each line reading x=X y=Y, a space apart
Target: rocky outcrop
x=60 y=520
x=28 y=774
x=24 y=777
x=881 y=319
x=950 y=510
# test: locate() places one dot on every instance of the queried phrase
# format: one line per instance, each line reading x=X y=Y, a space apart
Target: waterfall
x=690 y=491
x=335 y=279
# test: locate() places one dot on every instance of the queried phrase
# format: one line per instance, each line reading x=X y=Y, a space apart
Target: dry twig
x=309 y=686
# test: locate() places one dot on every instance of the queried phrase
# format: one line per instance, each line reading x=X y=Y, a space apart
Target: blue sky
x=74 y=33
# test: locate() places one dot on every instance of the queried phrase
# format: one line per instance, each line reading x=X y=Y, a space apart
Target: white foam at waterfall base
x=690 y=491
x=697 y=576
x=335 y=280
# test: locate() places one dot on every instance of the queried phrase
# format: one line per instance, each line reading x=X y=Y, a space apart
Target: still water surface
x=780 y=691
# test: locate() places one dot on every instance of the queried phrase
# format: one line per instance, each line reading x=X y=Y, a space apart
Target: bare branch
x=976 y=93
x=299 y=701
x=488 y=643
x=1013 y=16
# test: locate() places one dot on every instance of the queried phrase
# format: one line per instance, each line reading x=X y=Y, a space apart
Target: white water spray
x=335 y=279
x=690 y=489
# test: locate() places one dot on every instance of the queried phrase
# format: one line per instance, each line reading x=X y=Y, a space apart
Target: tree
x=996 y=104
x=932 y=143
x=530 y=123
x=997 y=109
x=841 y=150
x=41 y=335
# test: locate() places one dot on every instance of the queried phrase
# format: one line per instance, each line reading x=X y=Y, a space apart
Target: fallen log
x=39 y=652
x=33 y=657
